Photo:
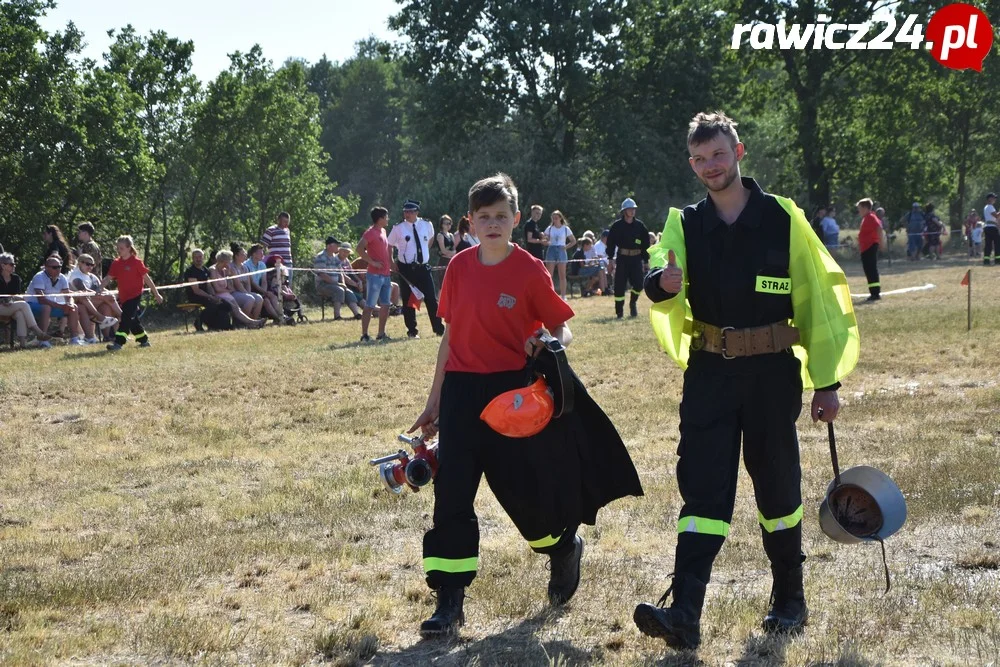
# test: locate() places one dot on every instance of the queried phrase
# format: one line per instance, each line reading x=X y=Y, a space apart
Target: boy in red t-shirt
x=869 y=241
x=131 y=275
x=495 y=298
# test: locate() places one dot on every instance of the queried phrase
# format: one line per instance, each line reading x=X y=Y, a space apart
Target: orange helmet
x=520 y=413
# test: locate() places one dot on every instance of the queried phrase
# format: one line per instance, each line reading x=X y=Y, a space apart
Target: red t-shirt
x=492 y=310
x=869 y=234
x=378 y=249
x=129 y=274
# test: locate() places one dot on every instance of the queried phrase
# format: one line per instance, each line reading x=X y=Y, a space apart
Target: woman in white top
x=249 y=302
x=100 y=309
x=558 y=239
x=224 y=288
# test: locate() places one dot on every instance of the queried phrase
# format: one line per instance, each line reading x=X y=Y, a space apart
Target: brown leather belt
x=731 y=342
x=629 y=253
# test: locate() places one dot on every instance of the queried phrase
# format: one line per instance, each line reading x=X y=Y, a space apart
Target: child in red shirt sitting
x=131 y=275
x=494 y=299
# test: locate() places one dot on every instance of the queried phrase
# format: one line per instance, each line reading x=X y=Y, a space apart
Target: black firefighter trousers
x=628 y=270
x=418 y=275
x=756 y=398
x=536 y=479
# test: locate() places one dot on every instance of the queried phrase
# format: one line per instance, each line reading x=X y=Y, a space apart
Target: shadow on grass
x=518 y=645
x=358 y=344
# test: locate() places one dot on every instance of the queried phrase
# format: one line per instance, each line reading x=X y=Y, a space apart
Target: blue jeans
x=914 y=242
x=378 y=290
x=557 y=254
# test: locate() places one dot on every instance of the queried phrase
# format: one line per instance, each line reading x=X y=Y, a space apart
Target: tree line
x=583 y=102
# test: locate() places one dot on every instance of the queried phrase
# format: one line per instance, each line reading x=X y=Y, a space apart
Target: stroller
x=277 y=283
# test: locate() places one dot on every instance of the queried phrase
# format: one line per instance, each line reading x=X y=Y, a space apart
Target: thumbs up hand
x=673 y=276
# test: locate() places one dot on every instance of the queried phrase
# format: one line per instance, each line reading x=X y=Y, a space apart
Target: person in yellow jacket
x=753 y=307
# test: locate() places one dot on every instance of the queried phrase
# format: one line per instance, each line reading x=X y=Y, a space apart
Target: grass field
x=209 y=500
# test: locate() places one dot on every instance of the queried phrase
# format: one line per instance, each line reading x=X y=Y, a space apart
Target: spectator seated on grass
x=46 y=302
x=224 y=289
x=258 y=282
x=15 y=308
x=96 y=310
x=331 y=281
x=250 y=302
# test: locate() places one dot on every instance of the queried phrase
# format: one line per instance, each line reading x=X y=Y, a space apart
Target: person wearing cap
x=412 y=238
x=628 y=246
x=351 y=284
x=740 y=278
x=991 y=232
x=329 y=278
x=914 y=222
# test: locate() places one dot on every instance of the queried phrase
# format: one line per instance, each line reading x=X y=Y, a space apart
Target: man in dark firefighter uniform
x=631 y=239
x=751 y=304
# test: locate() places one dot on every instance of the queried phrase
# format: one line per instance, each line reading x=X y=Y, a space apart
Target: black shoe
x=633 y=311
x=873 y=297
x=337 y=318
x=565 y=576
x=788 y=613
x=382 y=338
x=145 y=343
x=448 y=616
x=678 y=624
x=357 y=316
x=198 y=326
x=365 y=338
x=413 y=335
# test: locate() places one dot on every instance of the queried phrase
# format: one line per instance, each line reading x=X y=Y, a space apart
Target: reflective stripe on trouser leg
x=620 y=298
x=636 y=292
x=781 y=522
x=702 y=525
x=547 y=541
x=870 y=285
x=450 y=565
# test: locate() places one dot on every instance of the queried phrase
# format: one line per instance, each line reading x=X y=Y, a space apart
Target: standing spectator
x=55 y=244
x=464 y=234
x=131 y=275
x=991 y=232
x=258 y=282
x=629 y=242
x=914 y=221
x=14 y=307
x=224 y=288
x=870 y=239
x=352 y=285
x=558 y=240
x=445 y=241
x=933 y=227
x=214 y=313
x=411 y=238
x=533 y=235
x=85 y=235
x=831 y=230
x=968 y=226
x=250 y=302
x=278 y=241
x=374 y=249
x=977 y=239
x=100 y=309
x=47 y=288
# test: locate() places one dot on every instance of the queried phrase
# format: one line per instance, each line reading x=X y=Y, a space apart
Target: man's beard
x=729 y=177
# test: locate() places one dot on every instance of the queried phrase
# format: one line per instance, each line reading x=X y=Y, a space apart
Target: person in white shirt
x=47 y=287
x=558 y=239
x=991 y=231
x=412 y=238
x=100 y=309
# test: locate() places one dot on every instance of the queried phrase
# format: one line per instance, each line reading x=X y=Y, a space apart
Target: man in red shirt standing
x=374 y=249
x=870 y=241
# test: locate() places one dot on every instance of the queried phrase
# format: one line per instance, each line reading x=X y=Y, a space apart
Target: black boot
x=448 y=616
x=565 y=576
x=619 y=308
x=633 y=311
x=678 y=624
x=789 y=613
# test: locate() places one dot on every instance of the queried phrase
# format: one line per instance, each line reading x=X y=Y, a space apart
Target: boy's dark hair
x=707 y=126
x=254 y=248
x=284 y=214
x=86 y=227
x=489 y=191
x=379 y=212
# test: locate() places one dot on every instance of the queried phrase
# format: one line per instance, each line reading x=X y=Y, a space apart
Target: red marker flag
x=416 y=298
x=965 y=280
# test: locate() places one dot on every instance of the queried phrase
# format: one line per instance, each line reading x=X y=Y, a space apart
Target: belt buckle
x=725 y=352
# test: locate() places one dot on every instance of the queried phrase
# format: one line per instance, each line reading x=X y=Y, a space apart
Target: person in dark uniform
x=412 y=238
x=630 y=238
x=745 y=279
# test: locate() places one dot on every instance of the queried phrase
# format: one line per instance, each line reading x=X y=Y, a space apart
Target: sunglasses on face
x=53 y=266
x=87 y=263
